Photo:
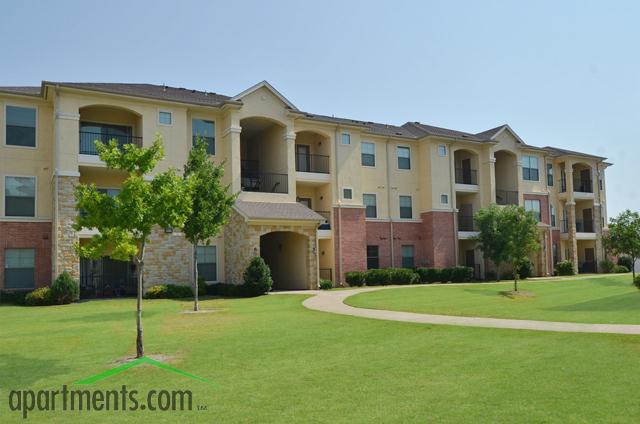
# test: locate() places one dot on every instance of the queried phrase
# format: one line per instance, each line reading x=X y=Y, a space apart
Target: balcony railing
x=584 y=226
x=264 y=182
x=88 y=141
x=564 y=226
x=466 y=176
x=326 y=225
x=506 y=197
x=465 y=223
x=579 y=186
x=312 y=163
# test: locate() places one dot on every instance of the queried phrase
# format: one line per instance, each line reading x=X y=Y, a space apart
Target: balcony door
x=585 y=181
x=587 y=220
x=466 y=171
x=303 y=158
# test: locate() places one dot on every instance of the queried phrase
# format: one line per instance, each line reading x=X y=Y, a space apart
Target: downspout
x=391 y=234
x=336 y=188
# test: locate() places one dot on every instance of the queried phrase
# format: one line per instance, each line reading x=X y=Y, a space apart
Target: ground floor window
x=19 y=268
x=407 y=256
x=207 y=263
x=373 y=257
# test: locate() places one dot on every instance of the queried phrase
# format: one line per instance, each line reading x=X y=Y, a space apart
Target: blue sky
x=560 y=73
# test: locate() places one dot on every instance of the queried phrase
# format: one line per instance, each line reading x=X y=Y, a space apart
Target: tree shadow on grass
x=108 y=316
x=484 y=292
x=20 y=372
x=620 y=302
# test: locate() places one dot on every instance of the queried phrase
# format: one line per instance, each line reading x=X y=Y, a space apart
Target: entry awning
x=279 y=211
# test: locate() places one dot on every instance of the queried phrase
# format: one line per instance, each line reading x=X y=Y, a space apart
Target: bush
x=355 y=278
x=12 y=297
x=378 y=277
x=636 y=282
x=620 y=269
x=445 y=274
x=403 y=276
x=428 y=275
x=223 y=289
x=168 y=291
x=526 y=270
x=606 y=266
x=460 y=274
x=326 y=284
x=565 y=268
x=202 y=287
x=625 y=261
x=39 y=297
x=65 y=289
x=257 y=278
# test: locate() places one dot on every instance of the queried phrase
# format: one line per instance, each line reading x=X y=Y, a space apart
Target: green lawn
x=595 y=300
x=274 y=361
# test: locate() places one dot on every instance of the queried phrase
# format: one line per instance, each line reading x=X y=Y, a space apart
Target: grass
x=273 y=361
x=606 y=300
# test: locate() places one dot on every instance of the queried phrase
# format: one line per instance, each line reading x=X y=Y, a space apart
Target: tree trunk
x=515 y=282
x=633 y=269
x=497 y=272
x=139 y=343
x=196 y=305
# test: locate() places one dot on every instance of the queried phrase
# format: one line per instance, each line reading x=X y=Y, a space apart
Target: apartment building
x=319 y=195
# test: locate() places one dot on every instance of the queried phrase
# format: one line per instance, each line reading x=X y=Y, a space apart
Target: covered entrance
x=106 y=277
x=286 y=254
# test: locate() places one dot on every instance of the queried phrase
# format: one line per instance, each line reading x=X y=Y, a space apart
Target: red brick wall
x=404 y=233
x=32 y=235
x=439 y=234
x=353 y=254
x=544 y=207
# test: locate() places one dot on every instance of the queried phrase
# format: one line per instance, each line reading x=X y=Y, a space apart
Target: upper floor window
x=552 y=212
x=20 y=127
x=550 y=174
x=165 y=118
x=19 y=268
x=442 y=150
x=404 y=157
x=406 y=211
x=444 y=199
x=207 y=262
x=20 y=196
x=368 y=153
x=533 y=205
x=407 y=256
x=347 y=193
x=530 y=168
x=205 y=130
x=371 y=210
x=346 y=138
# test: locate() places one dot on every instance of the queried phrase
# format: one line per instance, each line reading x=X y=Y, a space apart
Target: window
x=530 y=168
x=407 y=256
x=165 y=118
x=207 y=262
x=404 y=157
x=554 y=248
x=205 y=130
x=20 y=126
x=346 y=138
x=20 y=196
x=405 y=207
x=444 y=199
x=369 y=201
x=533 y=206
x=442 y=150
x=552 y=212
x=373 y=258
x=19 y=268
x=111 y=192
x=550 y=174
x=347 y=193
x=368 y=153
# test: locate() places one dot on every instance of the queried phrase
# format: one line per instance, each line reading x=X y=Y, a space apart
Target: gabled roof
x=265 y=84
x=493 y=133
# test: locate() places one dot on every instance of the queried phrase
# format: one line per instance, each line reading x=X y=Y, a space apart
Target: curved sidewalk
x=333 y=302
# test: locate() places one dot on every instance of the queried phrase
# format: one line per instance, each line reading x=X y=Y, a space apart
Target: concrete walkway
x=333 y=302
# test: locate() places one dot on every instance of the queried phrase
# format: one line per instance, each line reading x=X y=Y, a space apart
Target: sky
x=564 y=74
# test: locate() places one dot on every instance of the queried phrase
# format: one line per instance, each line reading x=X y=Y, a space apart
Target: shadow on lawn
x=108 y=316
x=20 y=372
x=619 y=302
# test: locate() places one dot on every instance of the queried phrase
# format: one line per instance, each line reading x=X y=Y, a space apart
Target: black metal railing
x=584 y=226
x=326 y=274
x=466 y=176
x=582 y=186
x=264 y=182
x=88 y=141
x=326 y=225
x=506 y=197
x=564 y=226
x=562 y=185
x=312 y=163
x=466 y=223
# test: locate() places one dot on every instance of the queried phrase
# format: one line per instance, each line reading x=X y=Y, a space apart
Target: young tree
x=125 y=222
x=210 y=203
x=508 y=234
x=624 y=237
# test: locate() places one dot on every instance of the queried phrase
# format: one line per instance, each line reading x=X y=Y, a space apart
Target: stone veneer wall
x=65 y=237
x=168 y=259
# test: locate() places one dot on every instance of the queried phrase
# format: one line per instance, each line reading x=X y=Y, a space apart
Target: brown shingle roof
x=423 y=130
x=555 y=151
x=285 y=211
x=30 y=91
x=490 y=133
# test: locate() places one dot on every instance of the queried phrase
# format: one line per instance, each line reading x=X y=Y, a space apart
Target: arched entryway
x=286 y=254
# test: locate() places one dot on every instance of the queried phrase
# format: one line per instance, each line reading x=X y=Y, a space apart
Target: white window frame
x=215 y=128
x=537 y=158
x=442 y=146
x=375 y=196
x=161 y=111
x=348 y=134
x=399 y=146
x=217 y=262
x=342 y=194
x=375 y=159
x=446 y=196
x=4 y=196
x=531 y=202
x=4 y=125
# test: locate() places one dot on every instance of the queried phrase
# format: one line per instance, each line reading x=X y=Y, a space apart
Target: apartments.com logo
x=123 y=399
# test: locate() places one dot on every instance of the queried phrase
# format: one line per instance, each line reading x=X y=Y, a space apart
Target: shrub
x=39 y=297
x=445 y=274
x=565 y=268
x=355 y=278
x=257 y=278
x=526 y=269
x=168 y=291
x=12 y=297
x=620 y=269
x=65 y=289
x=606 y=266
x=636 y=282
x=403 y=276
x=202 y=286
x=429 y=275
x=223 y=289
x=378 y=277
x=460 y=274
x=625 y=261
x=326 y=284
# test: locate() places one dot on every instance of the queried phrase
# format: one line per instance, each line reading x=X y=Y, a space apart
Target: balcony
x=263 y=182
x=324 y=229
x=585 y=226
x=466 y=176
x=507 y=197
x=466 y=223
x=312 y=169
x=582 y=188
x=88 y=141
